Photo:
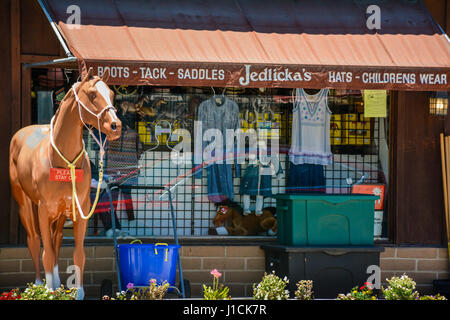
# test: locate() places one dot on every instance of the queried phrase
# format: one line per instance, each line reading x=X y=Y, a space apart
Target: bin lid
x=326 y=197
x=148 y=245
x=336 y=250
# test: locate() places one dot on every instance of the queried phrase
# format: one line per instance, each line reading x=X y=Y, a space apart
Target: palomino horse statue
x=44 y=203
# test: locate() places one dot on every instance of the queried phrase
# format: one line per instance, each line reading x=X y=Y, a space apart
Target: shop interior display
x=278 y=160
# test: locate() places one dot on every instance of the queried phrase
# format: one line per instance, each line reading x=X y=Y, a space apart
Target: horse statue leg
x=79 y=232
x=29 y=219
x=48 y=256
x=57 y=236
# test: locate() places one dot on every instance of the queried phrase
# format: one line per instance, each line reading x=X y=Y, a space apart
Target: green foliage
x=436 y=297
x=41 y=292
x=271 y=287
x=304 y=290
x=152 y=292
x=400 y=288
x=362 y=293
x=216 y=292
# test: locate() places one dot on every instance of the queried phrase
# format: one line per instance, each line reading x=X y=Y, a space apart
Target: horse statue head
x=94 y=100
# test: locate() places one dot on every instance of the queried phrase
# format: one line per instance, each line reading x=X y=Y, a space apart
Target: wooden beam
x=447 y=16
x=26 y=97
x=16 y=93
x=15 y=65
x=392 y=188
x=33 y=58
x=437 y=9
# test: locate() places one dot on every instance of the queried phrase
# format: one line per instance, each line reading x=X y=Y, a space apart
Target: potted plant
x=216 y=292
x=41 y=292
x=304 y=290
x=364 y=292
x=153 y=292
x=14 y=294
x=400 y=288
x=271 y=287
x=436 y=297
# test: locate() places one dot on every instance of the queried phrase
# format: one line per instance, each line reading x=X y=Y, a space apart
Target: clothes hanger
x=312 y=91
x=260 y=104
x=254 y=110
x=66 y=76
x=294 y=95
x=164 y=96
x=267 y=110
x=159 y=130
x=219 y=100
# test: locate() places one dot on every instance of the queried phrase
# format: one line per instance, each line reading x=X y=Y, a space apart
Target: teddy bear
x=229 y=220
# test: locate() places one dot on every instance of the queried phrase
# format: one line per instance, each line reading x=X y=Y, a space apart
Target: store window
x=162 y=145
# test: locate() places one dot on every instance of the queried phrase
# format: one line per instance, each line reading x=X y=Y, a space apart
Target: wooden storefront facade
x=415 y=197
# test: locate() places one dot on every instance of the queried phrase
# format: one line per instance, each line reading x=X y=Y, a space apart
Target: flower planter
x=333 y=270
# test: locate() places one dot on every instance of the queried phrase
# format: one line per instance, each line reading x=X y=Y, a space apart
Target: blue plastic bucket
x=139 y=263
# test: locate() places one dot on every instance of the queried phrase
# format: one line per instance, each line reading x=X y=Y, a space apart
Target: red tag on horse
x=63 y=175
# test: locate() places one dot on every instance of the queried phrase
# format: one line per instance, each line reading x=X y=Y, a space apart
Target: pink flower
x=152 y=281
x=130 y=286
x=368 y=285
x=216 y=273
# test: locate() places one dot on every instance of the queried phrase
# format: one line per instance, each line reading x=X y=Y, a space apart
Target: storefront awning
x=257 y=43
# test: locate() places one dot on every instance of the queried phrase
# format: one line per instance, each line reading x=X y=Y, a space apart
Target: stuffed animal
x=229 y=220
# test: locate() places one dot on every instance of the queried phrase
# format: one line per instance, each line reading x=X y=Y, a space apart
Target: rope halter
x=72 y=165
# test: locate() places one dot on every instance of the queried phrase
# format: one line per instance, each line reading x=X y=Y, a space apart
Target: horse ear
x=89 y=75
x=105 y=75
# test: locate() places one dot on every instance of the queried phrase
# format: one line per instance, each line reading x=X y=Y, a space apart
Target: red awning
x=257 y=43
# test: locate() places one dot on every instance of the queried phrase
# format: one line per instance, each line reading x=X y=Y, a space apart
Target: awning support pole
x=55 y=29
x=70 y=56
x=50 y=62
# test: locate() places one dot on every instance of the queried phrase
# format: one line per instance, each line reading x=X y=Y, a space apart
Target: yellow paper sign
x=375 y=102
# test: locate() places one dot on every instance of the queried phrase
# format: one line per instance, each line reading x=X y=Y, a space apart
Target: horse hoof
x=80 y=294
x=56 y=280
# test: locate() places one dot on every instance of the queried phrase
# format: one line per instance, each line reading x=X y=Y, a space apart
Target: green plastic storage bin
x=325 y=219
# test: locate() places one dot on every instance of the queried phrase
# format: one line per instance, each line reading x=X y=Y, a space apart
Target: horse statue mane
x=46 y=200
